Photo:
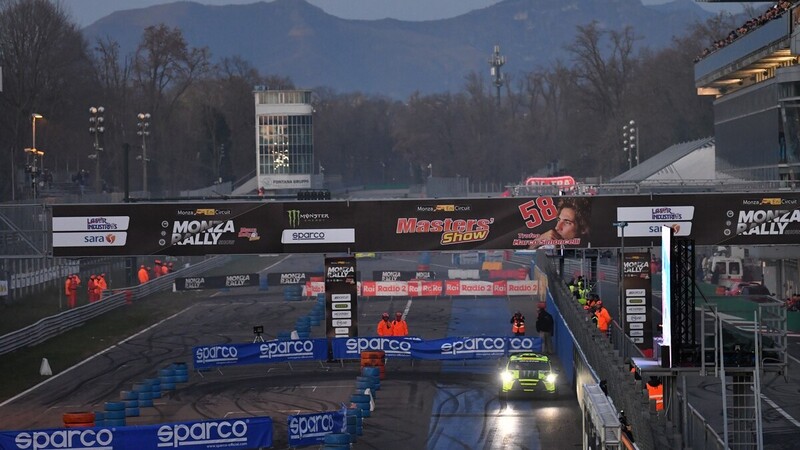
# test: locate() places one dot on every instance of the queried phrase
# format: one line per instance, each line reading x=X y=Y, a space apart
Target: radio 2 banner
x=341 y=297
x=637 y=291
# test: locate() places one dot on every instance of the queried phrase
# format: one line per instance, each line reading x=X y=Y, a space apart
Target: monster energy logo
x=294 y=217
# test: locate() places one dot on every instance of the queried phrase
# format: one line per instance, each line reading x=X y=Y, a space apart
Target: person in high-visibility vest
x=655 y=390
x=90 y=287
x=144 y=277
x=384 y=326
x=102 y=284
x=518 y=324
x=399 y=326
x=603 y=317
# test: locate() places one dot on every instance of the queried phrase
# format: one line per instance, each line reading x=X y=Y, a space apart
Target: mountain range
x=395 y=58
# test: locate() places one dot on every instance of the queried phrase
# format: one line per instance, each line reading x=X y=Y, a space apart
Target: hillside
x=389 y=57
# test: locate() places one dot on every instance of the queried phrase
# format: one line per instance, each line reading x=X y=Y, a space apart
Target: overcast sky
x=86 y=12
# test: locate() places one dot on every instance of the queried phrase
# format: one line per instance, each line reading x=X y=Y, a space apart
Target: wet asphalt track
x=424 y=405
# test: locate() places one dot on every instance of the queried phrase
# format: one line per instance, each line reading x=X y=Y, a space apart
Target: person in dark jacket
x=544 y=326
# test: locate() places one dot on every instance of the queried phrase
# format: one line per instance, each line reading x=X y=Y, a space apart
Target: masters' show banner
x=414 y=225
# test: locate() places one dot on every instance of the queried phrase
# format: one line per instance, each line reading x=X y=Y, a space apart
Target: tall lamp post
x=630 y=142
x=620 y=305
x=34 y=166
x=96 y=129
x=496 y=61
x=144 y=130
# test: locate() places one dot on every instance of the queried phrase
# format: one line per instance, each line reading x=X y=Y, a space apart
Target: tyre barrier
x=363 y=391
x=78 y=419
x=292 y=298
x=132 y=412
x=99 y=418
x=166 y=373
x=131 y=403
x=140 y=387
x=364 y=406
x=284 y=335
x=374 y=358
x=372 y=383
x=155 y=387
x=114 y=414
x=304 y=334
x=128 y=395
x=337 y=439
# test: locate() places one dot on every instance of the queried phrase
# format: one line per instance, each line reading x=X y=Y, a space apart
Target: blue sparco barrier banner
x=208 y=356
x=448 y=348
x=351 y=348
x=253 y=432
x=311 y=429
x=483 y=347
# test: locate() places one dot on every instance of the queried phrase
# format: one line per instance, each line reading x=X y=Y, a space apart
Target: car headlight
x=550 y=378
x=506 y=376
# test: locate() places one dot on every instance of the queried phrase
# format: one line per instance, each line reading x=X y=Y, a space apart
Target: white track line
x=93 y=357
x=786 y=415
x=275 y=264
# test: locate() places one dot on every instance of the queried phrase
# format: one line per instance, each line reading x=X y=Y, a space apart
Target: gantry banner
x=220 y=227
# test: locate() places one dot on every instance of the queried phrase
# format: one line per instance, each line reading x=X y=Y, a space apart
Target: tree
x=43 y=57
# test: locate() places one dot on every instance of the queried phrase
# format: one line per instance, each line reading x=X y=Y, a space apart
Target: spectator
x=384 y=326
x=399 y=326
x=544 y=326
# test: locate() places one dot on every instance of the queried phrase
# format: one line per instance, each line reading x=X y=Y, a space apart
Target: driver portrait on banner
x=568 y=218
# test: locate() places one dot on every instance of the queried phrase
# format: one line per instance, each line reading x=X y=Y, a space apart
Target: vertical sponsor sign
x=341 y=290
x=637 y=299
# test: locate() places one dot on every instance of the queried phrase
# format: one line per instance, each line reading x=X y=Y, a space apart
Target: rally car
x=528 y=372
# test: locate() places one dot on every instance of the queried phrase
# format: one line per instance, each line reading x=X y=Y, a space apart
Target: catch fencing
x=52 y=326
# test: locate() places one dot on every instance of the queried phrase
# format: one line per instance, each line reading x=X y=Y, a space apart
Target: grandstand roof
x=681 y=162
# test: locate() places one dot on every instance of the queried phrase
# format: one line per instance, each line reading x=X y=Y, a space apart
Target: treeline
x=566 y=118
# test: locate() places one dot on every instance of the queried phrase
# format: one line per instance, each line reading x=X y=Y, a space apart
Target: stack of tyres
x=144 y=391
x=336 y=441
x=355 y=413
x=284 y=335
x=99 y=419
x=317 y=313
x=131 y=401
x=293 y=293
x=361 y=401
x=167 y=377
x=181 y=372
x=303 y=327
x=155 y=387
x=114 y=413
x=364 y=382
x=374 y=358
x=78 y=419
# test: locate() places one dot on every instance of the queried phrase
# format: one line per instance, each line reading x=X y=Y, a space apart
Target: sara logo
x=72 y=439
x=216 y=433
x=94 y=239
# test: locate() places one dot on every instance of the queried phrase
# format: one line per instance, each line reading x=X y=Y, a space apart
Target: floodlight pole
x=620 y=305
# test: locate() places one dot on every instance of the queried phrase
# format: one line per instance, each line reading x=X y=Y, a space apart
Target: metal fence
x=52 y=326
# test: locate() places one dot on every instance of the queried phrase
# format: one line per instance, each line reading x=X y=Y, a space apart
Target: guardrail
x=52 y=326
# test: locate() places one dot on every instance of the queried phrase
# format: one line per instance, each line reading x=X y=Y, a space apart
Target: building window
x=285 y=144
